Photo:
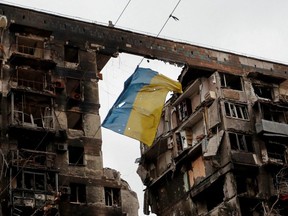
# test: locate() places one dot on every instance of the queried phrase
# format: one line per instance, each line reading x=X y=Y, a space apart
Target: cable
x=122 y=12
x=171 y=15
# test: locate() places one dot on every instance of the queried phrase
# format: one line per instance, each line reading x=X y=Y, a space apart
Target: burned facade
x=51 y=159
x=221 y=146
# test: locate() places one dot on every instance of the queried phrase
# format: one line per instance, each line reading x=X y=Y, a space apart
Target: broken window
x=241 y=142
x=211 y=201
x=250 y=206
x=31 y=79
x=75 y=120
x=246 y=185
x=78 y=193
x=31 y=110
x=263 y=91
x=184 y=139
x=276 y=151
x=239 y=111
x=276 y=114
x=76 y=155
x=73 y=89
x=112 y=196
x=231 y=81
x=71 y=54
x=30 y=46
x=34 y=181
x=184 y=109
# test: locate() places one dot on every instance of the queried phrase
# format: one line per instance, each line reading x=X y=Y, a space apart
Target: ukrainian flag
x=137 y=111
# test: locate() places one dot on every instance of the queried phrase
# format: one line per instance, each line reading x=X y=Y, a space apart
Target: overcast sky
x=257 y=28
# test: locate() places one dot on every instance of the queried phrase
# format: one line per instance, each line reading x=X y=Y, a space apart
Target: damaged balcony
x=242 y=149
x=276 y=151
x=34 y=180
x=32 y=159
x=31 y=51
x=33 y=191
x=29 y=111
x=32 y=80
x=274 y=120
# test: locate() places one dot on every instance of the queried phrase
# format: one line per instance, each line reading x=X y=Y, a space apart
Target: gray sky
x=257 y=28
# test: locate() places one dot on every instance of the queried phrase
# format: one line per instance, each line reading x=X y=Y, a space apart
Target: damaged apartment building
x=220 y=149
x=221 y=146
x=51 y=159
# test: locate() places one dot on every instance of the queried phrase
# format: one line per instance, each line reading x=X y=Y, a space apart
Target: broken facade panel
x=51 y=159
x=229 y=144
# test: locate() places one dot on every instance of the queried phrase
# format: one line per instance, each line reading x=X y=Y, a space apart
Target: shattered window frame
x=263 y=91
x=276 y=151
x=32 y=181
x=231 y=81
x=78 y=193
x=184 y=109
x=243 y=143
x=237 y=111
x=30 y=46
x=112 y=196
x=74 y=89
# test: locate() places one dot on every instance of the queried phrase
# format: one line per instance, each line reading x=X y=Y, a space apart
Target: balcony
x=30 y=51
x=271 y=128
x=28 y=79
x=32 y=159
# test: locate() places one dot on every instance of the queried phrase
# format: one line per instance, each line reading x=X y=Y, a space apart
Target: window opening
x=247 y=185
x=275 y=114
x=211 y=201
x=239 y=111
x=276 y=151
x=30 y=46
x=241 y=142
x=78 y=193
x=71 y=54
x=73 y=89
x=112 y=196
x=76 y=155
x=184 y=109
x=263 y=91
x=32 y=111
x=34 y=181
x=231 y=81
x=75 y=120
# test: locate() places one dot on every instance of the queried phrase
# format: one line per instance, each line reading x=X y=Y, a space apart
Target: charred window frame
x=74 y=89
x=71 y=54
x=231 y=81
x=239 y=111
x=263 y=91
x=34 y=181
x=246 y=185
x=112 y=196
x=276 y=151
x=30 y=46
x=76 y=155
x=275 y=114
x=241 y=142
x=205 y=199
x=78 y=193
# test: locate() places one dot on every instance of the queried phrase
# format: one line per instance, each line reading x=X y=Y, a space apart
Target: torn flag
x=137 y=111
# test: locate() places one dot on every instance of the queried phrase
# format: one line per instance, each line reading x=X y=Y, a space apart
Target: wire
x=122 y=12
x=171 y=15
